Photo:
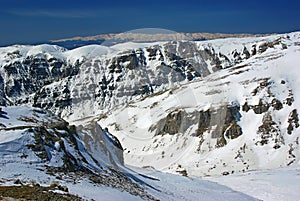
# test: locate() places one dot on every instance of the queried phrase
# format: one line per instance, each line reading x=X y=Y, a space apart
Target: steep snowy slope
x=38 y=148
x=234 y=120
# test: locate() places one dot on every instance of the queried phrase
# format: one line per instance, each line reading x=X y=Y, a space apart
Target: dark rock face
x=246 y=53
x=293 y=121
x=34 y=72
x=2 y=92
x=261 y=107
x=269 y=130
x=219 y=122
x=175 y=122
x=224 y=119
x=233 y=131
x=60 y=86
x=246 y=107
x=276 y=104
x=204 y=122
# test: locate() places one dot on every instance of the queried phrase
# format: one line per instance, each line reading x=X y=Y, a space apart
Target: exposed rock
x=262 y=107
x=293 y=121
x=246 y=53
x=223 y=120
x=253 y=50
x=276 y=104
x=175 y=122
x=262 y=47
x=289 y=101
x=94 y=137
x=246 y=107
x=269 y=131
x=61 y=86
x=204 y=122
x=233 y=131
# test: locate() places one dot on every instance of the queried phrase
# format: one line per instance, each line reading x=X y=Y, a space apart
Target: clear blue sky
x=30 y=21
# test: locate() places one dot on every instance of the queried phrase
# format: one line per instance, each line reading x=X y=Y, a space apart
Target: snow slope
x=250 y=115
x=37 y=147
x=275 y=185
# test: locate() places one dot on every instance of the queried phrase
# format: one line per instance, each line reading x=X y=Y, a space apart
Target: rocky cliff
x=88 y=80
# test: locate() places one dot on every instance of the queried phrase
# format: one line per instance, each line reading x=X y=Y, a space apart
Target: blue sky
x=31 y=21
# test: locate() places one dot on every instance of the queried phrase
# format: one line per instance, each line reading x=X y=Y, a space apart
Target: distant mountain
x=111 y=39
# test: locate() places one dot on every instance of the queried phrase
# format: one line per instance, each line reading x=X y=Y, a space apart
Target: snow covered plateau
x=173 y=120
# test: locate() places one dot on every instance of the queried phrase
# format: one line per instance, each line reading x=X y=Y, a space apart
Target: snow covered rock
x=87 y=80
x=241 y=118
x=36 y=145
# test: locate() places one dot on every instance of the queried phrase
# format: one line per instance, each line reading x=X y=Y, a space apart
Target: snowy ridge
x=87 y=80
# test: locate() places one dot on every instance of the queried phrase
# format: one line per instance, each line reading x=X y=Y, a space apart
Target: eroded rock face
x=2 y=93
x=293 y=121
x=218 y=122
x=31 y=74
x=269 y=130
x=176 y=122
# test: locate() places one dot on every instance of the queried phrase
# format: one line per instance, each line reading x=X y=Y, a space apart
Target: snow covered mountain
x=241 y=118
x=195 y=108
x=87 y=80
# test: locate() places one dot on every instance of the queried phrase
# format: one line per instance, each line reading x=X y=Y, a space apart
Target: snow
x=174 y=187
x=269 y=185
x=86 y=52
x=90 y=191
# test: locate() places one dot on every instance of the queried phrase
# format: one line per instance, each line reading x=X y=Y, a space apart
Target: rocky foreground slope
x=39 y=149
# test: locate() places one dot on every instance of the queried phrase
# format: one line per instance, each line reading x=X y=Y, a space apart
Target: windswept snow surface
x=175 y=187
x=269 y=185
